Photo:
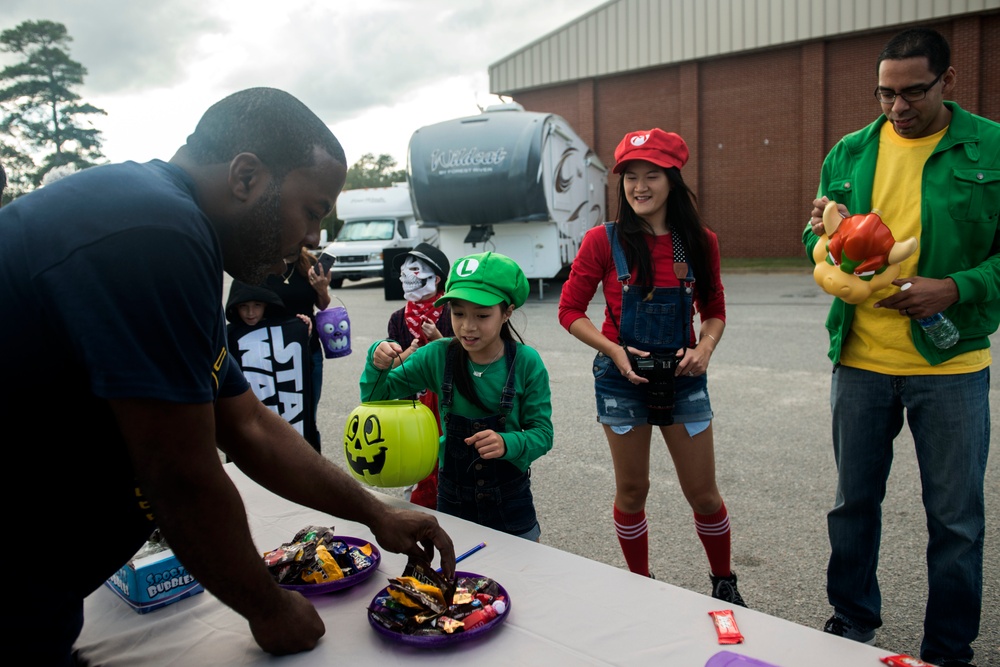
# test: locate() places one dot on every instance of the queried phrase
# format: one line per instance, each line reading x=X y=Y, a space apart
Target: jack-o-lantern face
x=366 y=445
x=391 y=443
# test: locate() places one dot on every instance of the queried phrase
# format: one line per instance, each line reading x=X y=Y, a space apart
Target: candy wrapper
x=904 y=661
x=423 y=603
x=154 y=545
x=316 y=556
x=725 y=626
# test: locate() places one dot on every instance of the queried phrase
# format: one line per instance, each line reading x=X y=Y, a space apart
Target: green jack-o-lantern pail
x=391 y=443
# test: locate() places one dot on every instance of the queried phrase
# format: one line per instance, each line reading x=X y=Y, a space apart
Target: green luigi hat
x=486 y=279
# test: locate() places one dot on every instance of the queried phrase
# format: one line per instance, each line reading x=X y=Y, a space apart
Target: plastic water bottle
x=941 y=330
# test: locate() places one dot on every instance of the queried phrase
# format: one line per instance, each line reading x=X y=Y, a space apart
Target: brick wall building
x=759 y=123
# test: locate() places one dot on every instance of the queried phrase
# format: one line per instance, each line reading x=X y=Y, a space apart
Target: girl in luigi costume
x=495 y=403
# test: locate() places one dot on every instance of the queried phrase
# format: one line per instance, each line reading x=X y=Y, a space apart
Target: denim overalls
x=662 y=321
x=491 y=492
x=659 y=323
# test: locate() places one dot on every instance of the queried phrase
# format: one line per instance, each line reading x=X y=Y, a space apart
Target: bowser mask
x=857 y=256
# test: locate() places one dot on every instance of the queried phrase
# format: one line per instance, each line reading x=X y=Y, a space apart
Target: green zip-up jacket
x=959 y=224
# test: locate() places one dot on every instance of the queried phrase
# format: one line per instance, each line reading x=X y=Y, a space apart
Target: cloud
x=125 y=45
x=377 y=70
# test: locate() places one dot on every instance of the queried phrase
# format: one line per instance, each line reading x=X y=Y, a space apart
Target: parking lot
x=769 y=382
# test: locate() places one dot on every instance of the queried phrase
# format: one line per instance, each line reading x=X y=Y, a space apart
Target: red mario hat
x=664 y=149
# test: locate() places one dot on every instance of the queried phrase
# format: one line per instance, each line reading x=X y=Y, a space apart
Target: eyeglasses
x=910 y=95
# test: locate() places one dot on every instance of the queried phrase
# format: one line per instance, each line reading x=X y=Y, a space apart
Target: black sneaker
x=840 y=625
x=724 y=588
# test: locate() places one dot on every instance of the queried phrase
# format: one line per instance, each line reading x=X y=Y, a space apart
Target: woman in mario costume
x=657 y=263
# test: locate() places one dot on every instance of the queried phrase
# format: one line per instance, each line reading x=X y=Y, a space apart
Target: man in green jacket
x=932 y=170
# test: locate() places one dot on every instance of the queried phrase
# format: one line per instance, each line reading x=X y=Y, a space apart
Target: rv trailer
x=516 y=182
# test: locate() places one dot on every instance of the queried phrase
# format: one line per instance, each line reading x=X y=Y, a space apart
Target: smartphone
x=326 y=261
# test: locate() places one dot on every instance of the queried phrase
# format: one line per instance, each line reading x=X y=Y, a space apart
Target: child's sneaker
x=724 y=588
x=840 y=625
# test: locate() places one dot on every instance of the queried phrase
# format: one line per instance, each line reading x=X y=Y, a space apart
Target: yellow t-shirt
x=880 y=339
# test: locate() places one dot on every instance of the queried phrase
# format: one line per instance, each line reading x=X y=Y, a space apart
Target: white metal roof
x=623 y=35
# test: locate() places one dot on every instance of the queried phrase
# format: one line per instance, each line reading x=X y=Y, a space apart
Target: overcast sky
x=374 y=70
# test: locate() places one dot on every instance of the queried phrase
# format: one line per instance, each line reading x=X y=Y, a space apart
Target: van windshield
x=367 y=230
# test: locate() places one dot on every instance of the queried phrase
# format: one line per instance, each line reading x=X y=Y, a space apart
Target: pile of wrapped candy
x=316 y=556
x=423 y=603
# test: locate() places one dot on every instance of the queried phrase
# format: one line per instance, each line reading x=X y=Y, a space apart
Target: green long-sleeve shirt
x=528 y=432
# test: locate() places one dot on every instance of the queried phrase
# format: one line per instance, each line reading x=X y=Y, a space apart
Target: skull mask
x=418 y=279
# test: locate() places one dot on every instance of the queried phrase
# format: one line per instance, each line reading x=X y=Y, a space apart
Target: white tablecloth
x=565 y=609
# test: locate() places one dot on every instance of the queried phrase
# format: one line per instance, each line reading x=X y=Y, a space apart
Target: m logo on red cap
x=664 y=149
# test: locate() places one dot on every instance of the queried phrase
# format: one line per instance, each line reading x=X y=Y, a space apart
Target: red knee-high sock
x=633 y=536
x=713 y=529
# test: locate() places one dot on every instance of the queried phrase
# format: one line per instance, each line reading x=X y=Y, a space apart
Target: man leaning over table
x=932 y=170
x=116 y=370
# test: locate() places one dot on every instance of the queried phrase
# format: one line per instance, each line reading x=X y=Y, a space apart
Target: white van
x=375 y=220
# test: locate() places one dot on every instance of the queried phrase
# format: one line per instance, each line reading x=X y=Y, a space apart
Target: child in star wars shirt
x=271 y=347
x=423 y=273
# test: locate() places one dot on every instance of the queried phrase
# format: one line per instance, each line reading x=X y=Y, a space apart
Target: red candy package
x=904 y=661
x=725 y=626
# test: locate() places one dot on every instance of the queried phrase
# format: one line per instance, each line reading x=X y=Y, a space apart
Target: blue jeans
x=949 y=417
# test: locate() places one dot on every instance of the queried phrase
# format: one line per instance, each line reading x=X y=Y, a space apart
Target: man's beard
x=256 y=240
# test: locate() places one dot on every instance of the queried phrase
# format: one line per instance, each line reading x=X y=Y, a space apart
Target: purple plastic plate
x=730 y=659
x=346 y=582
x=440 y=641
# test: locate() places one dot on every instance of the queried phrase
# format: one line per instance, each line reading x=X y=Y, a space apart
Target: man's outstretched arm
x=200 y=512
x=271 y=452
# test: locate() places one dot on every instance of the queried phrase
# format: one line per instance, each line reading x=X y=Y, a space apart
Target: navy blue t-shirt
x=110 y=288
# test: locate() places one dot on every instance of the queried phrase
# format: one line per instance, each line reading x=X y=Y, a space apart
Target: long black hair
x=684 y=223
x=460 y=362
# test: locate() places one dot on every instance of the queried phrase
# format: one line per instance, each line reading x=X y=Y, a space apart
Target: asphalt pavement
x=769 y=382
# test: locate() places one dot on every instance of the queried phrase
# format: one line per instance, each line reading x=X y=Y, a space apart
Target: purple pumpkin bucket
x=334 y=329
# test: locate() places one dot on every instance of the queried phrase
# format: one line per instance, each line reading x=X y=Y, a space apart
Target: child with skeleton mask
x=423 y=273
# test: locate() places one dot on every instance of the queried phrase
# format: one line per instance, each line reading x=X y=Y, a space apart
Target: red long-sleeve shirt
x=594 y=265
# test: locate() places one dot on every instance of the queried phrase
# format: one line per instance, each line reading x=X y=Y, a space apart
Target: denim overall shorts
x=659 y=322
x=491 y=492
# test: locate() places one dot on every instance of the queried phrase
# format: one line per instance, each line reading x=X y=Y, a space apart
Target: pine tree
x=43 y=122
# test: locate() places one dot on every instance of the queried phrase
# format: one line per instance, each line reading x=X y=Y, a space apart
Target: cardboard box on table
x=153 y=581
